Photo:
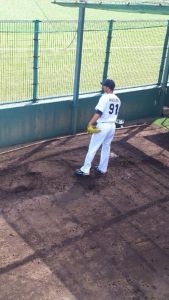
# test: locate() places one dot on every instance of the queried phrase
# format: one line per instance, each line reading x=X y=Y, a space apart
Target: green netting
x=93 y=56
x=57 y=50
x=135 y=56
x=135 y=53
x=16 y=48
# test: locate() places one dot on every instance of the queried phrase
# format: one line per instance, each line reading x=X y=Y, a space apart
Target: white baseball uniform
x=108 y=108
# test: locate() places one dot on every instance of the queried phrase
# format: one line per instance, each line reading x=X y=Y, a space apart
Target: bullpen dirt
x=95 y=238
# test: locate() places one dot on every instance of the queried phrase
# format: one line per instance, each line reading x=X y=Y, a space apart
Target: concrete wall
x=28 y=122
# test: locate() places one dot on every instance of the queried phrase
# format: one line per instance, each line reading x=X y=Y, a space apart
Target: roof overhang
x=115 y=6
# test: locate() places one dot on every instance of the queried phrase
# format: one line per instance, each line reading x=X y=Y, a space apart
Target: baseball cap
x=109 y=83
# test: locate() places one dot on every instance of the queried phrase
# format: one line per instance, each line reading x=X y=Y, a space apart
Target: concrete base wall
x=28 y=122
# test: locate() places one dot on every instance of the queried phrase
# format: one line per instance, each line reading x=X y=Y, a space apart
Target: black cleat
x=98 y=171
x=78 y=172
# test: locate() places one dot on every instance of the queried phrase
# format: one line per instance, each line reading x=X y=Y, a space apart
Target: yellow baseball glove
x=92 y=129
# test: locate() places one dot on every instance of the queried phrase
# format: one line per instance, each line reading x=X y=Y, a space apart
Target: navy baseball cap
x=109 y=83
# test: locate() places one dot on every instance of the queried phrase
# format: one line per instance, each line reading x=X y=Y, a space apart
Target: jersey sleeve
x=101 y=105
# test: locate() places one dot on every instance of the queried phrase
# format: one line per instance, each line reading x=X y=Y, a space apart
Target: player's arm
x=91 y=128
x=95 y=117
x=99 y=110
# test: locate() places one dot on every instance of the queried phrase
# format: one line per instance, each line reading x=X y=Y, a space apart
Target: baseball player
x=102 y=134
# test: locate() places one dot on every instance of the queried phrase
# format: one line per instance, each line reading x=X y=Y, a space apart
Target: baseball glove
x=92 y=129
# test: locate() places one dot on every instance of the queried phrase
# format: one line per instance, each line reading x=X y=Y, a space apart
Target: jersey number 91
x=113 y=109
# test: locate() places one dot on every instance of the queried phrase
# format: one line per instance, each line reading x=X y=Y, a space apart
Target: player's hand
x=92 y=129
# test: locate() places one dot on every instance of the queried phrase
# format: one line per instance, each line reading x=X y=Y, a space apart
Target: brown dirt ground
x=97 y=238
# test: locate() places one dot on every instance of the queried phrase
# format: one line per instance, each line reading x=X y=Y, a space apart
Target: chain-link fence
x=38 y=58
x=57 y=50
x=16 y=49
x=134 y=53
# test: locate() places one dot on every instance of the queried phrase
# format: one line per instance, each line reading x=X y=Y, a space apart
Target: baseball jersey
x=108 y=107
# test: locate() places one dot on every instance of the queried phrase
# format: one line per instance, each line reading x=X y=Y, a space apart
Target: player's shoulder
x=103 y=98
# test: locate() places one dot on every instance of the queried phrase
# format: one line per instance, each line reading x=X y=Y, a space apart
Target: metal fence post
x=35 y=60
x=79 y=46
x=165 y=74
x=163 y=90
x=164 y=55
x=108 y=47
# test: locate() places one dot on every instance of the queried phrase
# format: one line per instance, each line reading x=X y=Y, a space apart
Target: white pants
x=103 y=138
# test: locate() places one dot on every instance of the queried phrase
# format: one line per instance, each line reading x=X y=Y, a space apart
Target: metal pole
x=108 y=47
x=35 y=60
x=165 y=74
x=80 y=31
x=163 y=90
x=164 y=55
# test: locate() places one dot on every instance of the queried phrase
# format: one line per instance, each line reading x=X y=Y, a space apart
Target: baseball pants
x=104 y=139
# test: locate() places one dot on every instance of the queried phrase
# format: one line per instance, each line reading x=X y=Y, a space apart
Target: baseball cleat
x=99 y=171
x=78 y=172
